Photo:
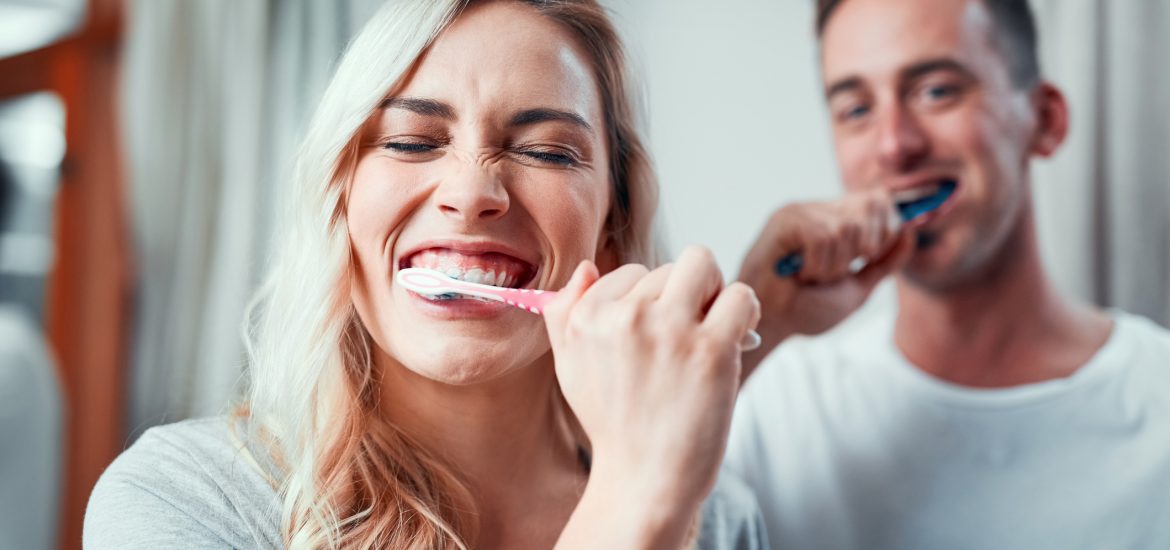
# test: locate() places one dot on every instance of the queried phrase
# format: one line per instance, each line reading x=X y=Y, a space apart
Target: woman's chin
x=467 y=366
x=461 y=375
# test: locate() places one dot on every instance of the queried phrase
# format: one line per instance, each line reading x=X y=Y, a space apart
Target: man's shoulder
x=1144 y=342
x=1143 y=328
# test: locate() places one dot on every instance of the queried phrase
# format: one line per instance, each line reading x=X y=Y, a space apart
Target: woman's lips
x=490 y=267
x=460 y=308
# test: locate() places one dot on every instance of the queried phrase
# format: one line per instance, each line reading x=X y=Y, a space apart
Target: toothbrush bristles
x=455 y=296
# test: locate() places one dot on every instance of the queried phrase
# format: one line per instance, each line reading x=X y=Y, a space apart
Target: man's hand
x=833 y=238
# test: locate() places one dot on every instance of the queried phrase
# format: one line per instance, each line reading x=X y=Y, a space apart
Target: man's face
x=919 y=94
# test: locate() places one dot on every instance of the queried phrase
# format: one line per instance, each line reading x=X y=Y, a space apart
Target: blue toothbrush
x=790 y=265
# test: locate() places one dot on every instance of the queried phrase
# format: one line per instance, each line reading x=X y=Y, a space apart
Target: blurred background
x=144 y=144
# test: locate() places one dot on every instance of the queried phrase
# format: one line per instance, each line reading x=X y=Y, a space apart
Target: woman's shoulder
x=192 y=484
x=731 y=518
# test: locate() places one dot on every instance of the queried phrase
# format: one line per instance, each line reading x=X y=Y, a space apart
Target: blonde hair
x=346 y=479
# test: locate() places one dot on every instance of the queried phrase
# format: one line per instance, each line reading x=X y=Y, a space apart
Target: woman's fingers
x=650 y=287
x=556 y=313
x=693 y=282
x=615 y=284
x=735 y=312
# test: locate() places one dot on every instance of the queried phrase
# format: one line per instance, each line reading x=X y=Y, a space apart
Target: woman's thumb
x=557 y=311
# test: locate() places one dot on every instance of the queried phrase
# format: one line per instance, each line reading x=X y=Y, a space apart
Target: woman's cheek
x=377 y=198
x=578 y=217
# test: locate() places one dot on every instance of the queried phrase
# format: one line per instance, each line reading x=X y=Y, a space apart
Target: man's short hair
x=1015 y=35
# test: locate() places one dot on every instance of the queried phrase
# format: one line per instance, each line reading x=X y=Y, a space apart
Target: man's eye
x=854 y=112
x=940 y=92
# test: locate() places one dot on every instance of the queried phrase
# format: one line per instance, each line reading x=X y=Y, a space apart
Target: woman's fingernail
x=751 y=341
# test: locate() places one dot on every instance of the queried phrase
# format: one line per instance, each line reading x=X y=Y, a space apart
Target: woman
x=493 y=141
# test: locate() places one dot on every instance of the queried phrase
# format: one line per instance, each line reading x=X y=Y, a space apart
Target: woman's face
x=489 y=164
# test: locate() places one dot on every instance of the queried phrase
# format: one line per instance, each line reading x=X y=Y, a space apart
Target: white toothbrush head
x=437 y=285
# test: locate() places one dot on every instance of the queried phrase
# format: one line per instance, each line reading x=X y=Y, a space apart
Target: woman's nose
x=474 y=193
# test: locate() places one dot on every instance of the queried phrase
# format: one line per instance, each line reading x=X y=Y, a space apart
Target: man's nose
x=902 y=142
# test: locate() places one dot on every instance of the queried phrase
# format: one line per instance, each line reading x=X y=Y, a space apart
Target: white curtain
x=215 y=95
x=1104 y=201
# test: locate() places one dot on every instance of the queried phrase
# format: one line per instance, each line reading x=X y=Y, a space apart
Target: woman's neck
x=511 y=438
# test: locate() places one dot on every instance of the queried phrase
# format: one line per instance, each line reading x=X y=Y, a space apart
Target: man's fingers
x=891 y=262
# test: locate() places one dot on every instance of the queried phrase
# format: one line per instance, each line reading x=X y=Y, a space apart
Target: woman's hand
x=649 y=362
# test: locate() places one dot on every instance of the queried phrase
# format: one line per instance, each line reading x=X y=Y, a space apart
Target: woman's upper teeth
x=481 y=277
x=485 y=269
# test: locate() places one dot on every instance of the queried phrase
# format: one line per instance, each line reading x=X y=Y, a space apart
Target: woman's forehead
x=507 y=55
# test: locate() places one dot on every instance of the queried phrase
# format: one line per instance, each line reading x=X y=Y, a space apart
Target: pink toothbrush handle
x=533 y=301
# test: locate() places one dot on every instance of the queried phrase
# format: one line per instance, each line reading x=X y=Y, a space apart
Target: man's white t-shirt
x=849 y=446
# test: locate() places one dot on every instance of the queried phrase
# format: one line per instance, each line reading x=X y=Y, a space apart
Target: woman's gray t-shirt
x=190 y=485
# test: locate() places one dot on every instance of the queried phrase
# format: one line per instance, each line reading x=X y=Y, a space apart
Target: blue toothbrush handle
x=789 y=265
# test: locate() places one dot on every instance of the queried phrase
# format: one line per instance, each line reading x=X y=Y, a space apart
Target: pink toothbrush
x=438 y=286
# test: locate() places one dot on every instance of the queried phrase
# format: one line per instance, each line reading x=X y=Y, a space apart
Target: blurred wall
x=735 y=117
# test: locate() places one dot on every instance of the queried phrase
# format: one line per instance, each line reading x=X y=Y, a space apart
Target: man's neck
x=1010 y=328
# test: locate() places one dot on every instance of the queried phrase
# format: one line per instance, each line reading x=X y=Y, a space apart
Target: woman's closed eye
x=540 y=155
x=547 y=155
x=410 y=146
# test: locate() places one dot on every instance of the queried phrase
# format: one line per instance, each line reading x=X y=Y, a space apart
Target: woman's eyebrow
x=422 y=106
x=536 y=116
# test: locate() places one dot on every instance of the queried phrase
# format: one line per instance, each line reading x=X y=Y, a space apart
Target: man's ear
x=1052 y=119
x=608 y=258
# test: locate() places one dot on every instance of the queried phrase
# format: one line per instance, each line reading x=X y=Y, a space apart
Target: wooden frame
x=87 y=306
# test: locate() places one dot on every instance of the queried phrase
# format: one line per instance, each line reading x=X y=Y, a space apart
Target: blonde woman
x=494 y=141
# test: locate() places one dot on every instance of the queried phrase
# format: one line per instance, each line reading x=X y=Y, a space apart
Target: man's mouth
x=486 y=268
x=924 y=199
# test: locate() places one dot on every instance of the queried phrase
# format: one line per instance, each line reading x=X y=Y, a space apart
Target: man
x=992 y=412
